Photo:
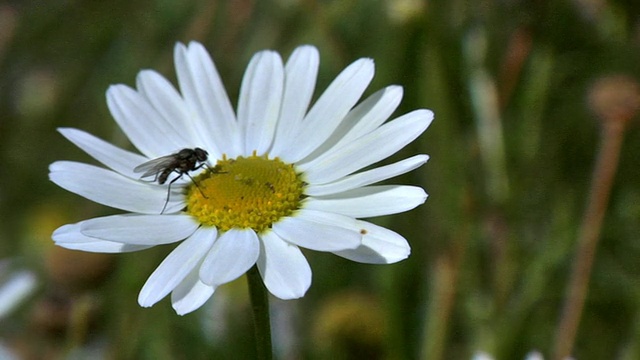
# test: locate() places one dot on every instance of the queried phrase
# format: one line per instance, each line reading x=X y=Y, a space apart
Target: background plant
x=512 y=151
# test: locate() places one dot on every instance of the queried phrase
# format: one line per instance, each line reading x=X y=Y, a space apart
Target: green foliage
x=489 y=264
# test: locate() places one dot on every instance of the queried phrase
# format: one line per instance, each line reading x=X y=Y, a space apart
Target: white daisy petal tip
x=421 y=119
x=364 y=68
x=366 y=63
x=144 y=74
x=69 y=237
x=185 y=307
x=145 y=301
x=284 y=269
x=425 y=196
x=147 y=77
x=190 y=295
x=428 y=115
x=379 y=246
x=197 y=46
x=180 y=51
x=307 y=47
x=289 y=294
x=308 y=52
x=151 y=293
x=395 y=93
x=180 y=266
x=66 y=130
x=116 y=89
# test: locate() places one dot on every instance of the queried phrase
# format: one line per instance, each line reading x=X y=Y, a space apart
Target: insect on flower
x=301 y=170
x=181 y=162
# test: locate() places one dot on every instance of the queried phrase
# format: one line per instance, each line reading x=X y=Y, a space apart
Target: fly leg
x=169 y=191
x=196 y=184
x=205 y=165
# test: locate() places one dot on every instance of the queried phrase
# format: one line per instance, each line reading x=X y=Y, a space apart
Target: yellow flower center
x=252 y=192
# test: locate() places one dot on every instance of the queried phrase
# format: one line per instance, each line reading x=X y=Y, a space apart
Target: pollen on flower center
x=252 y=192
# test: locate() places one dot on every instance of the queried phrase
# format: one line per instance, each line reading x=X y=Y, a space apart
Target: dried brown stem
x=589 y=235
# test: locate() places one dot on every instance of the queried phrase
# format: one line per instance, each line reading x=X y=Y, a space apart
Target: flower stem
x=603 y=176
x=260 y=307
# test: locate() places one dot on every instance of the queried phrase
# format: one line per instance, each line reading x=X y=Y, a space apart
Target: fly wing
x=153 y=167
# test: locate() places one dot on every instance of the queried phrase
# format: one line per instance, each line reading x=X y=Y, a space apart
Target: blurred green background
x=512 y=151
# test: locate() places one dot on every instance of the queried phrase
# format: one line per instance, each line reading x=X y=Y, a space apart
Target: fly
x=181 y=162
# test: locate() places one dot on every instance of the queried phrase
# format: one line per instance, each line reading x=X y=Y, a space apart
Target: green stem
x=260 y=307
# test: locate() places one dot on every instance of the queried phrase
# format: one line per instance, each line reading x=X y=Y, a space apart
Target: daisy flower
x=281 y=174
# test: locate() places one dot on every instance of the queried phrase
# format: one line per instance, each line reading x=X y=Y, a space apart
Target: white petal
x=111 y=189
x=284 y=269
x=207 y=98
x=141 y=229
x=260 y=100
x=187 y=129
x=15 y=288
x=370 y=201
x=316 y=230
x=190 y=294
x=231 y=256
x=368 y=149
x=176 y=266
x=142 y=124
x=330 y=109
x=367 y=177
x=112 y=156
x=379 y=246
x=371 y=113
x=70 y=237
x=362 y=119
x=301 y=72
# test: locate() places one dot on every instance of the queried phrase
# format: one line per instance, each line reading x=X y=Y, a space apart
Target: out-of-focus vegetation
x=512 y=152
